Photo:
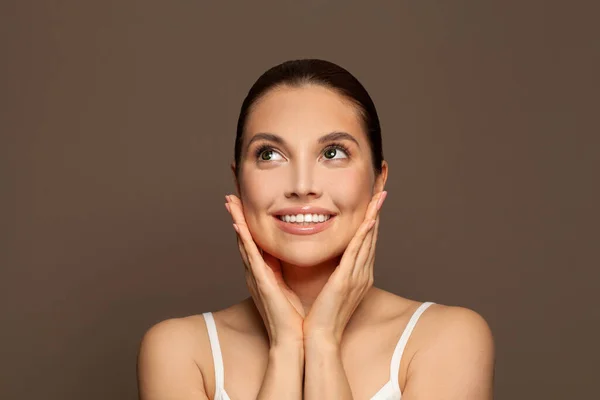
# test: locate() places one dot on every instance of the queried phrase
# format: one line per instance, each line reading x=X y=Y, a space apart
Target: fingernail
x=228 y=207
x=227 y=198
x=236 y=228
x=371 y=224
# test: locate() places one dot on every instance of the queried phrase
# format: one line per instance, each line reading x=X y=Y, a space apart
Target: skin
x=298 y=173
x=313 y=309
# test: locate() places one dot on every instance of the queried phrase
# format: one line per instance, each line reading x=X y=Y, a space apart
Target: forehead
x=305 y=112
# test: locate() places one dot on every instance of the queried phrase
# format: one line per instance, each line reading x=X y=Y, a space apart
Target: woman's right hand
x=280 y=308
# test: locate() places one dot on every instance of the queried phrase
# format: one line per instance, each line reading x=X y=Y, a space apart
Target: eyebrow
x=330 y=137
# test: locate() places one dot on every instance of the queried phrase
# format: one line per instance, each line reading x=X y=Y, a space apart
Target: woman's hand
x=280 y=308
x=348 y=284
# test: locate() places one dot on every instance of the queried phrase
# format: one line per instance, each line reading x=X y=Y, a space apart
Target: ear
x=382 y=178
x=235 y=181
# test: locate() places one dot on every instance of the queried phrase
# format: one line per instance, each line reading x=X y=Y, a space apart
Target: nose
x=303 y=184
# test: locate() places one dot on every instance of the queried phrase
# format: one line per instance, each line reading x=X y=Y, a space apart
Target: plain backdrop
x=117 y=130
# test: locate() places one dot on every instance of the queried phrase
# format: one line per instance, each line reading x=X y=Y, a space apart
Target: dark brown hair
x=296 y=73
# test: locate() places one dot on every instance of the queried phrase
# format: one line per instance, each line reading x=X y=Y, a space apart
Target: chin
x=301 y=256
x=302 y=250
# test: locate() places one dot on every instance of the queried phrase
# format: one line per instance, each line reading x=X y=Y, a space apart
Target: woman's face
x=297 y=166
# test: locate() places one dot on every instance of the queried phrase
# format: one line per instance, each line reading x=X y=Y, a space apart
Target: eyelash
x=335 y=145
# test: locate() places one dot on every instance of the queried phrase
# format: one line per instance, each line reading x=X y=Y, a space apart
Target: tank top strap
x=399 y=350
x=216 y=351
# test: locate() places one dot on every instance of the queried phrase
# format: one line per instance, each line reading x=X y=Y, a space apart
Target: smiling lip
x=310 y=229
x=303 y=210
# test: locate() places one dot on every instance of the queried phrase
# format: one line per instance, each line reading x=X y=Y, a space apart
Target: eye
x=266 y=153
x=337 y=151
x=331 y=152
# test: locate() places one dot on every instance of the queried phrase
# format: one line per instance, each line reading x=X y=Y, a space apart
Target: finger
x=371 y=259
x=251 y=283
x=243 y=251
x=249 y=275
x=364 y=258
x=379 y=202
x=254 y=257
x=250 y=280
x=254 y=254
x=374 y=239
x=370 y=263
x=251 y=253
x=364 y=255
x=364 y=241
x=359 y=237
x=360 y=263
x=238 y=220
x=234 y=199
x=348 y=261
x=235 y=210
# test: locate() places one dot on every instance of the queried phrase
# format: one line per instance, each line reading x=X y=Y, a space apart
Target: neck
x=307 y=282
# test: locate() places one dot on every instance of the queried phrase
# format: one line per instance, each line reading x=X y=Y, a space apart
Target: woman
x=310 y=177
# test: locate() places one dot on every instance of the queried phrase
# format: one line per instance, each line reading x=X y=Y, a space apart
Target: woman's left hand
x=348 y=284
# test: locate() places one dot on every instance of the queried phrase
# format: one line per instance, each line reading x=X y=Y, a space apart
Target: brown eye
x=330 y=153
x=266 y=155
x=335 y=152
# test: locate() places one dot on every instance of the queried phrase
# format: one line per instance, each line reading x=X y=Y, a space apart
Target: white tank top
x=389 y=391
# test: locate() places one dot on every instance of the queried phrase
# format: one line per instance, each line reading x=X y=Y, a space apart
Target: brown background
x=118 y=123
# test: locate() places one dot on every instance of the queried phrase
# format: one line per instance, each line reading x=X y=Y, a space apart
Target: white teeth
x=302 y=218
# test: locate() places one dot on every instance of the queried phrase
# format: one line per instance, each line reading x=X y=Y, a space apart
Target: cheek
x=348 y=190
x=259 y=193
x=256 y=195
x=351 y=191
x=254 y=189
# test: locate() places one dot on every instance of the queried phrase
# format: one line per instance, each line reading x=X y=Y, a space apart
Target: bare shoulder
x=437 y=323
x=445 y=322
x=173 y=333
x=456 y=349
x=175 y=358
x=166 y=366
